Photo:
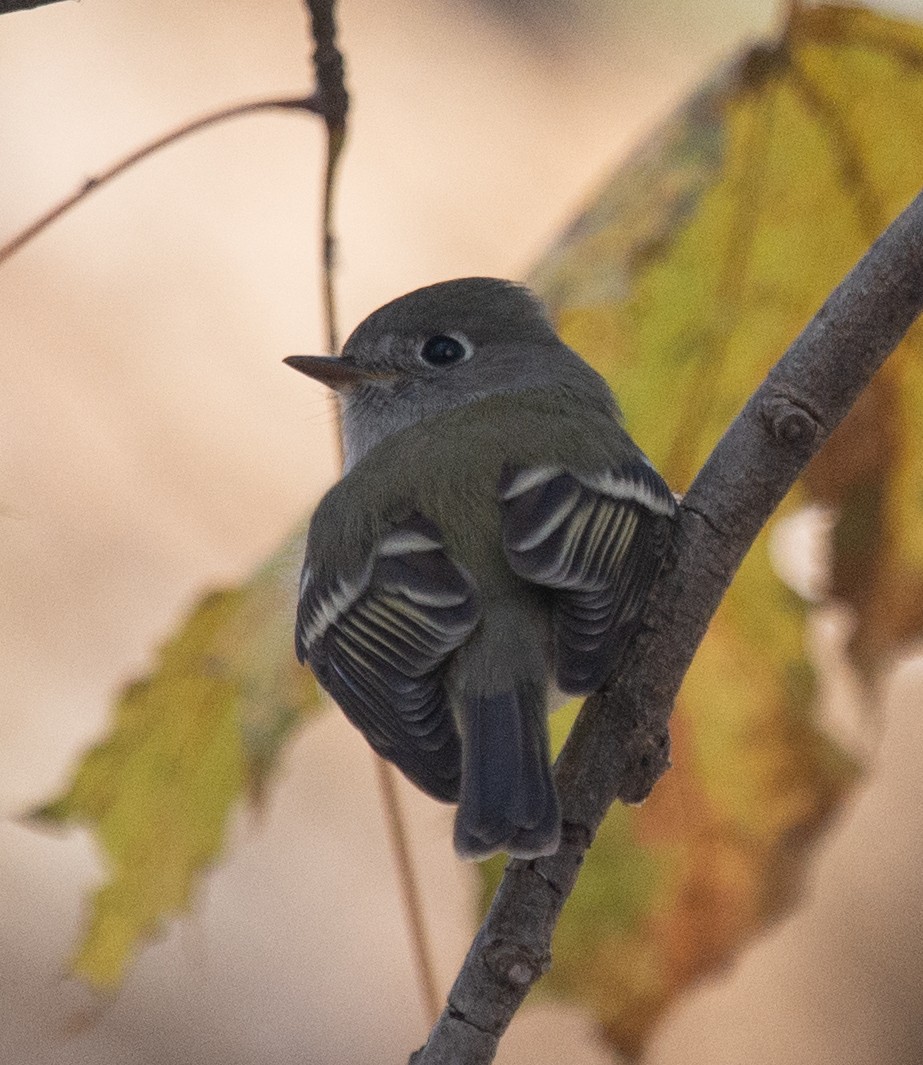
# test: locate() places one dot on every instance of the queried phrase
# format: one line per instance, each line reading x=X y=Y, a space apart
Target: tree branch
x=6 y=6
x=334 y=105
x=297 y=103
x=409 y=885
x=619 y=745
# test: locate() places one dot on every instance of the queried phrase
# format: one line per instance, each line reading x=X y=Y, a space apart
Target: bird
x=487 y=550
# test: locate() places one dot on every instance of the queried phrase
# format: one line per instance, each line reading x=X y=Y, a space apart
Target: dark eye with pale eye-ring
x=442 y=350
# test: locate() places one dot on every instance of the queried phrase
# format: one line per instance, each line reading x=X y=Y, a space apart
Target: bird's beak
x=335 y=371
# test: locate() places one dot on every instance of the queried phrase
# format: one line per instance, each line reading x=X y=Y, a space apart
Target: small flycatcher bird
x=493 y=537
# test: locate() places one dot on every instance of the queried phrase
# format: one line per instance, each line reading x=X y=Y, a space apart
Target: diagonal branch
x=7 y=6
x=619 y=746
x=309 y=104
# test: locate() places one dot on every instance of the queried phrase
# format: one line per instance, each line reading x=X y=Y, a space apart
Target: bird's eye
x=443 y=350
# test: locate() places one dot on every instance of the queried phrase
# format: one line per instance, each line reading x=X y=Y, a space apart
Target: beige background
x=152 y=445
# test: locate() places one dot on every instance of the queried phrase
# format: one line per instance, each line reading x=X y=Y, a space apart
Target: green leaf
x=186 y=743
x=683 y=282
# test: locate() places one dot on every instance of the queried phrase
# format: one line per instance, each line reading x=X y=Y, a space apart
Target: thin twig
x=297 y=103
x=410 y=891
x=333 y=98
x=333 y=102
x=6 y=6
x=619 y=745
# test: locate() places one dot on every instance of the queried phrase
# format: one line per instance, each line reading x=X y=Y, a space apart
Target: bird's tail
x=508 y=800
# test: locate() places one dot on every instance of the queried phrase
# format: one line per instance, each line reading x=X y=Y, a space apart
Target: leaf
x=683 y=282
x=701 y=261
x=186 y=743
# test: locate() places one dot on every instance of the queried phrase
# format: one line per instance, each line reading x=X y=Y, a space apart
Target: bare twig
x=298 y=103
x=333 y=103
x=619 y=746
x=6 y=6
x=333 y=99
x=410 y=891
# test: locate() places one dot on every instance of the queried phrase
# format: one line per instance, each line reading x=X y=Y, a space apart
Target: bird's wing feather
x=597 y=542
x=379 y=644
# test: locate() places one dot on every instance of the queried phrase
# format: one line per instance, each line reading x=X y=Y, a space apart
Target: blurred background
x=152 y=445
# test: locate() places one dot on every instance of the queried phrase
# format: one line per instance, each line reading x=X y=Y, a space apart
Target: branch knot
x=514 y=964
x=790 y=423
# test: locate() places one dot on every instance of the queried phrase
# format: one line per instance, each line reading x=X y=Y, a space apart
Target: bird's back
x=448 y=467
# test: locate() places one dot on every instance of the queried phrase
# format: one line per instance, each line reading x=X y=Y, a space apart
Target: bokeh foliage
x=186 y=743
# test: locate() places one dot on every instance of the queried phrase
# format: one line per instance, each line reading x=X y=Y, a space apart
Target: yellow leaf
x=185 y=744
x=686 y=278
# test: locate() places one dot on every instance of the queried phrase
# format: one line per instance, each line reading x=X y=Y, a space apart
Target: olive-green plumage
x=494 y=534
x=447 y=468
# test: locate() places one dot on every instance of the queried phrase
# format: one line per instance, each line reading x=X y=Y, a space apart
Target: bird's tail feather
x=508 y=800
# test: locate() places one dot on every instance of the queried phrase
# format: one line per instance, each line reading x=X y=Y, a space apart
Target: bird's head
x=438 y=348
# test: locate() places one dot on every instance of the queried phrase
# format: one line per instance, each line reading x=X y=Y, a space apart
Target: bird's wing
x=597 y=541
x=379 y=645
